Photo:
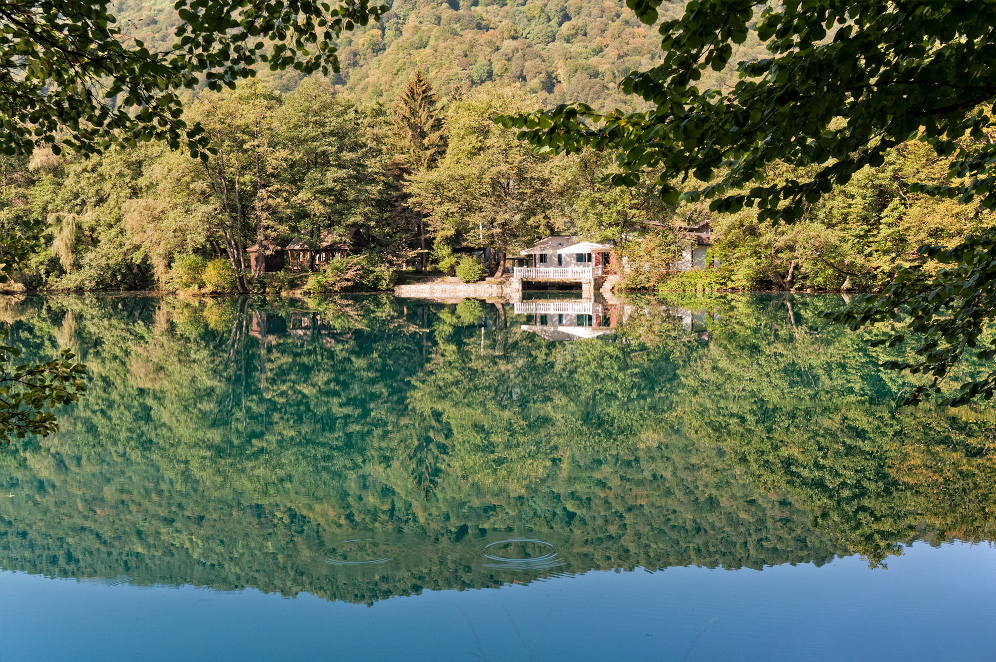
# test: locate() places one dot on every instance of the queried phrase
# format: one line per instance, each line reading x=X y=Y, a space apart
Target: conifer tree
x=418 y=125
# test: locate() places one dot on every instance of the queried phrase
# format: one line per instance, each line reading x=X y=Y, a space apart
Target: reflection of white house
x=695 y=242
x=567 y=319
x=691 y=320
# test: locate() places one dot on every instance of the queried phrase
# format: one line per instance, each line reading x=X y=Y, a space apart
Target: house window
x=560 y=260
x=543 y=258
x=583 y=257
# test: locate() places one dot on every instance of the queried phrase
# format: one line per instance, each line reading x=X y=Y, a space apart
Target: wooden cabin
x=299 y=251
x=268 y=255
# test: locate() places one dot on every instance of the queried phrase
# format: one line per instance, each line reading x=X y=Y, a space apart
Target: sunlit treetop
x=71 y=76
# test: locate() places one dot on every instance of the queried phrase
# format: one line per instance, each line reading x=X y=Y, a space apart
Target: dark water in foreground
x=375 y=478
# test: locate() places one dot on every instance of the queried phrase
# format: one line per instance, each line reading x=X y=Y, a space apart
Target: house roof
x=701 y=226
x=558 y=333
x=549 y=245
x=586 y=247
x=328 y=241
x=268 y=245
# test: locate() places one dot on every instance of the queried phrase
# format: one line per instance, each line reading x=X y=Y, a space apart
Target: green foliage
x=649 y=260
x=338 y=274
x=444 y=258
x=364 y=273
x=219 y=277
x=277 y=282
x=735 y=134
x=697 y=282
x=334 y=165
x=188 y=271
x=469 y=270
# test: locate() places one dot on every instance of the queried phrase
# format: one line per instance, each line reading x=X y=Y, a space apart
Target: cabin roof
x=550 y=244
x=701 y=226
x=586 y=247
x=558 y=333
x=268 y=246
x=329 y=241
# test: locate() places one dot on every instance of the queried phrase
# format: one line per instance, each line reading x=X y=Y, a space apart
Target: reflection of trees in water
x=219 y=447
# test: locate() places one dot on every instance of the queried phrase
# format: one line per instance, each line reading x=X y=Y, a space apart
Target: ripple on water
x=522 y=554
x=362 y=551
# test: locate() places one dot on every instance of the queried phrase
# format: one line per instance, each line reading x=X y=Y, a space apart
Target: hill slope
x=559 y=50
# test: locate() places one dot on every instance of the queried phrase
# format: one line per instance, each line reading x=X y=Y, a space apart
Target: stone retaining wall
x=445 y=289
x=509 y=289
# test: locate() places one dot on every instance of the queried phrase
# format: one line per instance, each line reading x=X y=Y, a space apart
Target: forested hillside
x=560 y=50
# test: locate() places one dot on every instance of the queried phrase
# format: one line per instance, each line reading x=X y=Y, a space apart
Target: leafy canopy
x=70 y=74
x=845 y=81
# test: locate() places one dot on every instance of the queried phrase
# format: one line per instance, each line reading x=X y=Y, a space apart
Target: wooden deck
x=574 y=274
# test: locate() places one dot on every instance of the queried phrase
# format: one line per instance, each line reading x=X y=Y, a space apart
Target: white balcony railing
x=557 y=273
x=578 y=307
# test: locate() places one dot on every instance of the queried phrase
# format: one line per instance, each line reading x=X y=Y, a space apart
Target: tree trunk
x=790 y=279
x=259 y=265
x=230 y=223
x=500 y=258
x=421 y=240
x=241 y=282
x=314 y=244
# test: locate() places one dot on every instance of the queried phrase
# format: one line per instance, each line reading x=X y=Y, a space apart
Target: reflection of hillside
x=210 y=455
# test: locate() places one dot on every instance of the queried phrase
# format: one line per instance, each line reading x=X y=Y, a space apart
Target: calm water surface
x=376 y=478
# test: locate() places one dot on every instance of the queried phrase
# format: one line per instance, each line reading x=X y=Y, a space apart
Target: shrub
x=697 y=281
x=443 y=257
x=336 y=275
x=276 y=282
x=188 y=272
x=363 y=272
x=377 y=276
x=469 y=270
x=219 y=277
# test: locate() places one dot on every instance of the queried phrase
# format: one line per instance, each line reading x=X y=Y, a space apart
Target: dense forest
x=560 y=50
x=234 y=443
x=425 y=180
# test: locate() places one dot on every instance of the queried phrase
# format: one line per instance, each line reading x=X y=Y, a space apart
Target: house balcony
x=558 y=273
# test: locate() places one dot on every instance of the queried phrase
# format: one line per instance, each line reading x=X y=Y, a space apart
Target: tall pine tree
x=418 y=126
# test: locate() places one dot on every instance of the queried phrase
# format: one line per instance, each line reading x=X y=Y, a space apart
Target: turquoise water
x=374 y=478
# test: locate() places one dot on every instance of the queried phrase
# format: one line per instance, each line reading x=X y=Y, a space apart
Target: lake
x=374 y=478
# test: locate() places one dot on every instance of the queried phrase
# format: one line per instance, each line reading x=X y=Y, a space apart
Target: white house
x=695 y=241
